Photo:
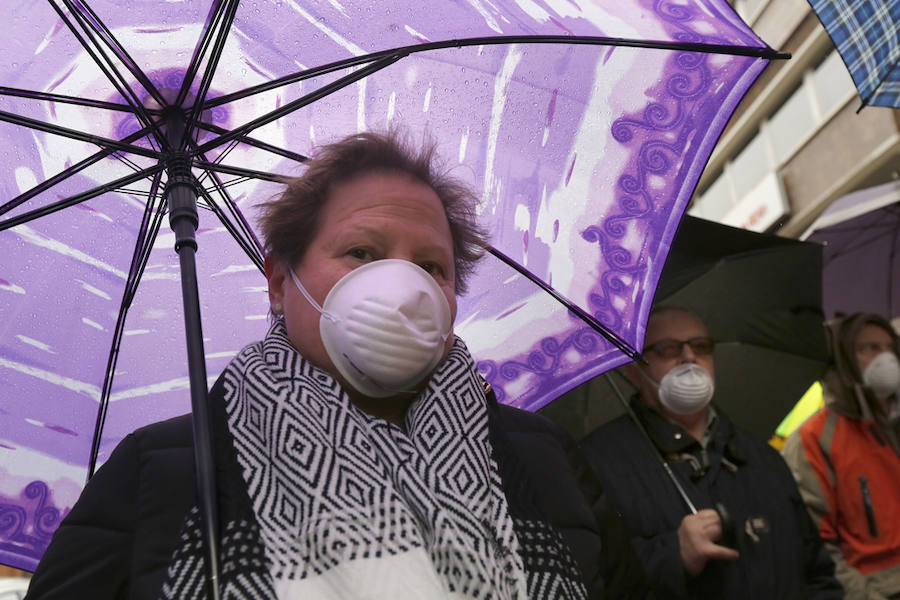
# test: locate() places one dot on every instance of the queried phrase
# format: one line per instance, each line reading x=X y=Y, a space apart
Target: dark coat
x=118 y=540
x=781 y=555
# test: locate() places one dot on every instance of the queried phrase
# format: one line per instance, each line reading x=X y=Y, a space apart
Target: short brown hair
x=289 y=221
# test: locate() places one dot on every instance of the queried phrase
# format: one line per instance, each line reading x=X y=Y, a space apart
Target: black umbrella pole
x=665 y=465
x=182 y=198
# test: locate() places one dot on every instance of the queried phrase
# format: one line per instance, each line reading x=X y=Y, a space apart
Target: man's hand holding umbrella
x=697 y=537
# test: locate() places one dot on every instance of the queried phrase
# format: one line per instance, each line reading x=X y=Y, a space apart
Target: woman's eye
x=432 y=268
x=360 y=253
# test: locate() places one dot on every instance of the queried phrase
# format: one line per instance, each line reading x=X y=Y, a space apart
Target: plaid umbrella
x=867 y=35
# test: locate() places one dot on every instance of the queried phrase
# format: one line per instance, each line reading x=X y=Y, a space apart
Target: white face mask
x=383 y=326
x=883 y=375
x=686 y=389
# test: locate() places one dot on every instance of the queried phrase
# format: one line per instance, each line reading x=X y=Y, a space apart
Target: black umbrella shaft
x=181 y=195
x=665 y=465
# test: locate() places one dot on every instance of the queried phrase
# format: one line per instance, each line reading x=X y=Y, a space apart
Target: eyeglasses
x=669 y=348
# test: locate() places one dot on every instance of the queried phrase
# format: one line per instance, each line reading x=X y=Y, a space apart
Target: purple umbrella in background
x=861 y=258
x=583 y=125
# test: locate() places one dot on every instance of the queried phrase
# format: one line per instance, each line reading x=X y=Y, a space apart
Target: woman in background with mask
x=846 y=457
x=359 y=453
x=750 y=537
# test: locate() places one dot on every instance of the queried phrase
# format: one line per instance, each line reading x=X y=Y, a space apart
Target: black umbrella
x=760 y=295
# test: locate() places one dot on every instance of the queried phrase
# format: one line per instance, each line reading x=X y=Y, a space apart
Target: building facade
x=798 y=141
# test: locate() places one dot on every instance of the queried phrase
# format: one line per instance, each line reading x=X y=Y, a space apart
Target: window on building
x=791 y=124
x=831 y=84
x=748 y=9
x=819 y=93
x=751 y=165
x=716 y=200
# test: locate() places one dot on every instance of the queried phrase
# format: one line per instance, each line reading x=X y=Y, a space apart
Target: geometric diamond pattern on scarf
x=332 y=487
x=244 y=566
x=545 y=560
x=330 y=484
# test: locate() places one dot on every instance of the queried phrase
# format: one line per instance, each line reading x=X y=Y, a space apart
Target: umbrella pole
x=181 y=194
x=665 y=465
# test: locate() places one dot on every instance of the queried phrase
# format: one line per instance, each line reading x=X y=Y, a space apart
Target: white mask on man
x=882 y=375
x=383 y=325
x=686 y=389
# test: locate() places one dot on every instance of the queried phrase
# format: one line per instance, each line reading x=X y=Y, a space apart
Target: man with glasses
x=737 y=527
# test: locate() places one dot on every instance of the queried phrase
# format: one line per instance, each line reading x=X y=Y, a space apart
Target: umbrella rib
x=79 y=198
x=138 y=260
x=134 y=192
x=232 y=182
x=892 y=257
x=250 y=249
x=91 y=51
x=592 y=321
x=253 y=246
x=875 y=90
x=146 y=250
x=66 y=173
x=90 y=21
x=225 y=23
x=294 y=78
x=147 y=244
x=255 y=143
x=215 y=13
x=853 y=224
x=116 y=80
x=76 y=135
x=240 y=171
x=62 y=98
x=750 y=51
x=231 y=146
x=300 y=102
x=872 y=236
x=127 y=161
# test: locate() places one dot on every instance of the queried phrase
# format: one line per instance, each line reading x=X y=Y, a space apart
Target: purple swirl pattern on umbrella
x=584 y=156
x=26 y=525
x=657 y=138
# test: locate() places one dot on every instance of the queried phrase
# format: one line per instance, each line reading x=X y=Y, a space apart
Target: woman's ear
x=275 y=275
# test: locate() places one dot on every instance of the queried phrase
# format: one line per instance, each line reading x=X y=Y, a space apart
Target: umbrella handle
x=181 y=194
x=665 y=465
x=729 y=537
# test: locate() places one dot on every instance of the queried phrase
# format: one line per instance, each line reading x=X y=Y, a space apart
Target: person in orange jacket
x=846 y=457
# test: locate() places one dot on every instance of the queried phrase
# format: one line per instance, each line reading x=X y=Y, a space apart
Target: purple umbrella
x=861 y=258
x=584 y=126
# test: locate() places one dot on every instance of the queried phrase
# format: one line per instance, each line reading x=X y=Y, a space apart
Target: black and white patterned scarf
x=345 y=505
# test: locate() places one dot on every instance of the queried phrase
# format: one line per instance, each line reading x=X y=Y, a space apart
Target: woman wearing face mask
x=359 y=453
x=846 y=457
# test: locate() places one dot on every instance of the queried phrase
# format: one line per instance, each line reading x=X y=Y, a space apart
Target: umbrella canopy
x=760 y=296
x=861 y=259
x=866 y=33
x=584 y=126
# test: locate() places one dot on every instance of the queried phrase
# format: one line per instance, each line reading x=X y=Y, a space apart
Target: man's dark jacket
x=781 y=556
x=118 y=540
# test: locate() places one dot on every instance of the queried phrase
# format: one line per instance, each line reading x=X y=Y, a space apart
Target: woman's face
x=871 y=341
x=372 y=217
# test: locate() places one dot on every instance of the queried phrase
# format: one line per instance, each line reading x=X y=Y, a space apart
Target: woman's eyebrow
x=357 y=229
